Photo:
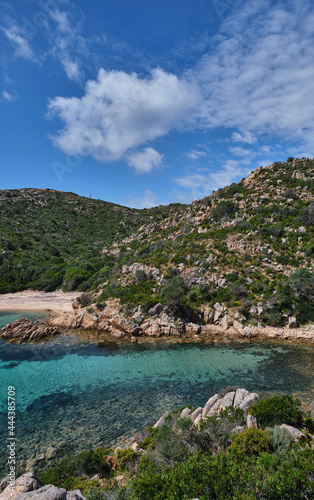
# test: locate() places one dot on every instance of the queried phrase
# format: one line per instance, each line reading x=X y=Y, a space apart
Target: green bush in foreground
x=278 y=410
x=180 y=461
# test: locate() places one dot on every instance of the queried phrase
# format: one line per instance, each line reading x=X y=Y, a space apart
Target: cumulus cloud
x=120 y=111
x=144 y=161
x=147 y=200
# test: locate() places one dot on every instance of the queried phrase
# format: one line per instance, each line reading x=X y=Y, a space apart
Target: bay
x=90 y=393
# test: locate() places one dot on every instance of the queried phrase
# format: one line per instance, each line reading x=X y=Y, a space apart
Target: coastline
x=56 y=302
x=65 y=318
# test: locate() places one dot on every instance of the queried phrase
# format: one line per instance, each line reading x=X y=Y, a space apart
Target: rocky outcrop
x=220 y=321
x=134 y=268
x=241 y=398
x=23 y=329
x=28 y=486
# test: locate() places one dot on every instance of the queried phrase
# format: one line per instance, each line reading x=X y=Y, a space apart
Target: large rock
x=161 y=421
x=292 y=322
x=239 y=396
x=294 y=432
x=185 y=413
x=154 y=311
x=251 y=422
x=209 y=405
x=23 y=329
x=196 y=413
x=248 y=401
x=28 y=487
x=227 y=400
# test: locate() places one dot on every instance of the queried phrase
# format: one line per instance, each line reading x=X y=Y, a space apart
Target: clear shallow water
x=91 y=394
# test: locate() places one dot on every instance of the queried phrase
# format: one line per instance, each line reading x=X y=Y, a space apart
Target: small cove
x=89 y=394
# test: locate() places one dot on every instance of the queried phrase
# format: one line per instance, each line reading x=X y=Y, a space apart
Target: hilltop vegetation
x=248 y=246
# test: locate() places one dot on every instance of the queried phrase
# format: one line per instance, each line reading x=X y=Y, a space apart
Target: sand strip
x=29 y=300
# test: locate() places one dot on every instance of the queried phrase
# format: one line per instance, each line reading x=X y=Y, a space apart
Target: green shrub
x=249 y=442
x=277 y=410
x=281 y=439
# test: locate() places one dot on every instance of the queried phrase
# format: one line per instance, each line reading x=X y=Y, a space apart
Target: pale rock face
x=209 y=405
x=239 y=396
x=161 y=421
x=292 y=322
x=197 y=420
x=227 y=400
x=251 y=422
x=214 y=408
x=28 y=487
x=196 y=413
x=248 y=401
x=186 y=412
x=294 y=432
x=192 y=328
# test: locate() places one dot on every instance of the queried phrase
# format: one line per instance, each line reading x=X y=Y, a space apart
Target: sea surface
x=91 y=393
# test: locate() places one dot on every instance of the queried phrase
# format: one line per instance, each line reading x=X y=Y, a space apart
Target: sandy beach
x=30 y=300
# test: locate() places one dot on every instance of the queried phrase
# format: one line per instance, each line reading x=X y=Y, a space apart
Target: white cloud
x=71 y=68
x=245 y=137
x=20 y=43
x=195 y=154
x=147 y=200
x=242 y=152
x=7 y=97
x=259 y=77
x=203 y=184
x=121 y=111
x=144 y=161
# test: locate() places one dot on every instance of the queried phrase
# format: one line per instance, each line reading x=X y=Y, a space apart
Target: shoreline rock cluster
x=219 y=322
x=24 y=329
x=29 y=486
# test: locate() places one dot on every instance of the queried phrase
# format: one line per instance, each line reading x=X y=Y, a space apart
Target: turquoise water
x=90 y=394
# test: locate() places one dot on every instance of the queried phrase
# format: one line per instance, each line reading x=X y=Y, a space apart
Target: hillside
x=248 y=246
x=50 y=239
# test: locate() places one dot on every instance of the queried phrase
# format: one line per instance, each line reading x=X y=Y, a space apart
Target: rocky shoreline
x=220 y=322
x=214 y=324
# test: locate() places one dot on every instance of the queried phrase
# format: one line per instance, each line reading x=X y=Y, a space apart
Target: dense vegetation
x=51 y=239
x=180 y=461
x=248 y=245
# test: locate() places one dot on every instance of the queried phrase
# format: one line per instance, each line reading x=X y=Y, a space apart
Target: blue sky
x=147 y=103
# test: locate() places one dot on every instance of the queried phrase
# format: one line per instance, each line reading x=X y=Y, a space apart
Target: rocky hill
x=247 y=248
